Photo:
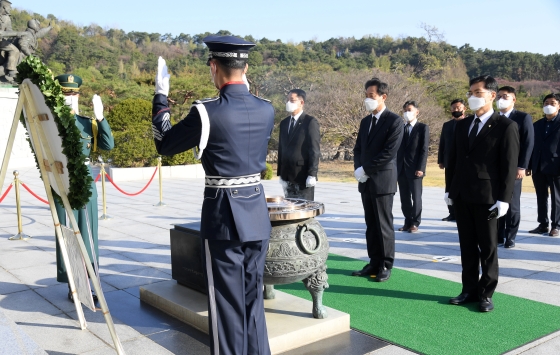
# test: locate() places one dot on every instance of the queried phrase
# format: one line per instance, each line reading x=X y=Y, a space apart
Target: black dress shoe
x=71 y=298
x=404 y=228
x=554 y=232
x=539 y=230
x=463 y=298
x=368 y=270
x=449 y=218
x=383 y=275
x=509 y=244
x=485 y=304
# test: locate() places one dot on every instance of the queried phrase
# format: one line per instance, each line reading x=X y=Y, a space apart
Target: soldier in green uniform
x=96 y=134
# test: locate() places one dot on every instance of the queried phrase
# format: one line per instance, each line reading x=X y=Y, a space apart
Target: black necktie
x=406 y=132
x=474 y=132
x=373 y=122
x=292 y=124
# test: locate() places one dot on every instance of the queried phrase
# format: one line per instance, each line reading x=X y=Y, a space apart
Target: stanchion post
x=160 y=203
x=105 y=216
x=20 y=235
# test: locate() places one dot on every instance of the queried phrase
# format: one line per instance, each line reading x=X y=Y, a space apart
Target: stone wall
x=21 y=157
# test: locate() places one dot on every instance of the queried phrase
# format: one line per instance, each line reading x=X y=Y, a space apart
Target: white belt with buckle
x=220 y=182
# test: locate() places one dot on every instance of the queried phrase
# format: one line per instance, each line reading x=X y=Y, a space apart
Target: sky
x=515 y=25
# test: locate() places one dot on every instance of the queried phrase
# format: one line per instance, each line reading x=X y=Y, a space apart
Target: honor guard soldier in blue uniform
x=231 y=132
x=95 y=133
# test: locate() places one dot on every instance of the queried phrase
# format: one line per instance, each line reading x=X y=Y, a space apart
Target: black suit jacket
x=445 y=140
x=300 y=152
x=484 y=173
x=377 y=151
x=526 y=136
x=546 y=152
x=413 y=154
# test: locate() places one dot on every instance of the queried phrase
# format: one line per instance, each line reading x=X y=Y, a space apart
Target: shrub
x=131 y=123
x=267 y=173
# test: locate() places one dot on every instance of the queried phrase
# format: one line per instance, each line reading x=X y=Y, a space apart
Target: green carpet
x=412 y=310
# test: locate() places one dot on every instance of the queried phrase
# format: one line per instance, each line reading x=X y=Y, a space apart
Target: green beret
x=69 y=82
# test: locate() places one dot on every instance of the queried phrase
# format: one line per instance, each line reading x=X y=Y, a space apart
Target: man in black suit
x=411 y=166
x=479 y=183
x=545 y=166
x=375 y=164
x=447 y=135
x=298 y=149
x=509 y=224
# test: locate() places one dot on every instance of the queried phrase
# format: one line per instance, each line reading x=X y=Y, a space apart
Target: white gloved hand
x=447 y=199
x=246 y=82
x=311 y=181
x=502 y=208
x=162 y=78
x=360 y=175
x=283 y=183
x=97 y=107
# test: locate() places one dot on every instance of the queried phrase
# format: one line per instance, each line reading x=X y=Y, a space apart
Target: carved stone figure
x=16 y=45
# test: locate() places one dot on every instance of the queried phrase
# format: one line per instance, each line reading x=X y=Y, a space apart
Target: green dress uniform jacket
x=105 y=141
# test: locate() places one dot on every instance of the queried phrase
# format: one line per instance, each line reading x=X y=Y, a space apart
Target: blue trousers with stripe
x=234 y=276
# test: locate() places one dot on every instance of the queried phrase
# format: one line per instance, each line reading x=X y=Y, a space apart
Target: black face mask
x=457 y=114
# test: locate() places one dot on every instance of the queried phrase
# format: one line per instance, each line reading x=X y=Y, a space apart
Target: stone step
x=15 y=341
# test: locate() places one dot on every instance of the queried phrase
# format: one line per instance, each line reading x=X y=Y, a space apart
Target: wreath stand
x=73 y=250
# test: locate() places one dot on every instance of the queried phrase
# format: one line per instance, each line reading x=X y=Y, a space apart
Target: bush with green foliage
x=131 y=123
x=268 y=173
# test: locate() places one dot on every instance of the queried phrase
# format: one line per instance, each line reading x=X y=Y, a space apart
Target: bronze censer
x=298 y=249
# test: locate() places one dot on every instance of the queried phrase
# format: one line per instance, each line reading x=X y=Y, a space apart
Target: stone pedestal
x=289 y=320
x=21 y=157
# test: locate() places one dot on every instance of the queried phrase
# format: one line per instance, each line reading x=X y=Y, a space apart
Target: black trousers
x=542 y=183
x=380 y=233
x=508 y=225
x=478 y=239
x=410 y=190
x=451 y=211
x=234 y=275
x=294 y=191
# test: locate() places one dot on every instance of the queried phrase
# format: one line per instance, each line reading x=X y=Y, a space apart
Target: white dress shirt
x=376 y=116
x=482 y=119
x=507 y=113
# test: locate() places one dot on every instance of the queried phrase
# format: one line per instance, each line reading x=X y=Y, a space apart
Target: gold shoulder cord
x=94 y=130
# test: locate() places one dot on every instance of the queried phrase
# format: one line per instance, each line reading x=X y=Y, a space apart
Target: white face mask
x=72 y=102
x=291 y=106
x=503 y=104
x=549 y=110
x=371 y=104
x=476 y=102
x=409 y=116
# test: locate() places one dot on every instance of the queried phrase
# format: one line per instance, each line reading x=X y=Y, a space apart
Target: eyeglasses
x=477 y=94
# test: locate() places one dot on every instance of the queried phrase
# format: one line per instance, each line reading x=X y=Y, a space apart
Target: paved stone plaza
x=134 y=251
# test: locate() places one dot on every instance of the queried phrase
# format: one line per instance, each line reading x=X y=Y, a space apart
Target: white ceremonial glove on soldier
x=162 y=78
x=360 y=175
x=311 y=181
x=502 y=208
x=97 y=107
x=447 y=200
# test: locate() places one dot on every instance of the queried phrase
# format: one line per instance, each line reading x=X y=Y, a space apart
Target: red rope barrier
x=97 y=178
x=33 y=193
x=139 y=192
x=6 y=193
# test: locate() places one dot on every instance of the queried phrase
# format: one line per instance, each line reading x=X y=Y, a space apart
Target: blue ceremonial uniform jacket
x=240 y=128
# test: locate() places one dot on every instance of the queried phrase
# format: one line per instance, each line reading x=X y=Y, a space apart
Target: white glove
x=97 y=107
x=360 y=175
x=311 y=181
x=502 y=208
x=283 y=183
x=447 y=199
x=246 y=82
x=162 y=78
